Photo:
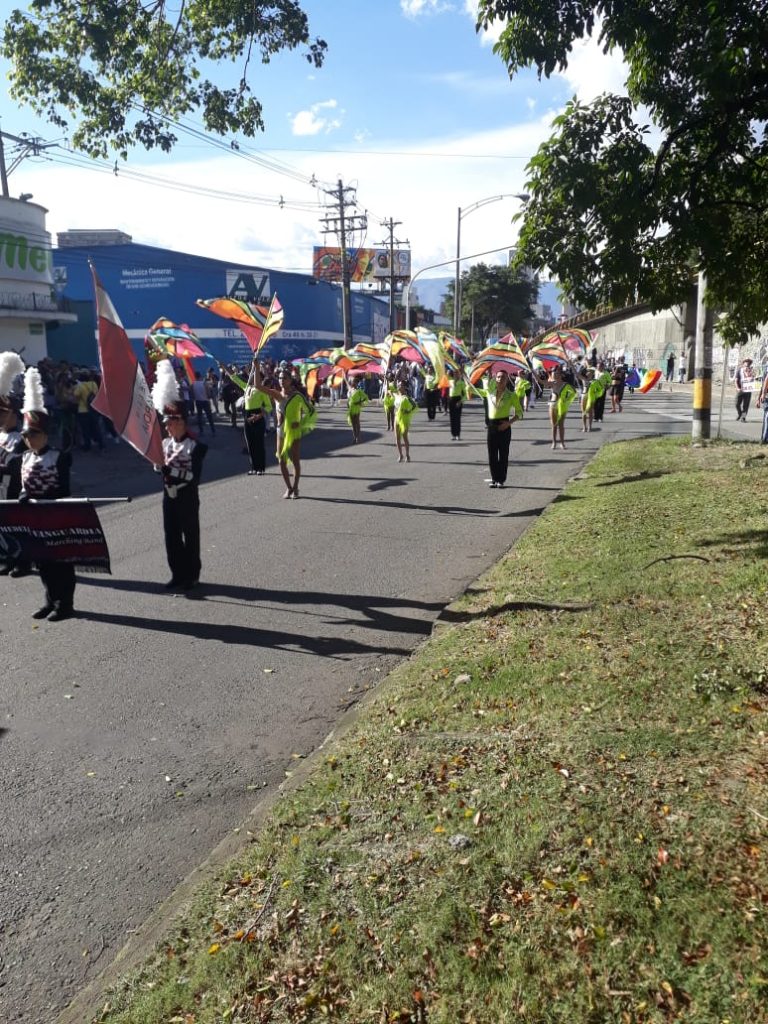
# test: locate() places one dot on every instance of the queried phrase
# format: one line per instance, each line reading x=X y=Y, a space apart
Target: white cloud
x=311 y=122
x=422 y=192
x=591 y=72
x=415 y=8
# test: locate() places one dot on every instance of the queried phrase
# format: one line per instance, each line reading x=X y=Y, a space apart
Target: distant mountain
x=431 y=291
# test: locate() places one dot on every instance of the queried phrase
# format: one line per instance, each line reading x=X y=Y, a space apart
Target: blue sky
x=411 y=107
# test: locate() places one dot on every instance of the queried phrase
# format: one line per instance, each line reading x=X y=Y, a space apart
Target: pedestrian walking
x=745 y=385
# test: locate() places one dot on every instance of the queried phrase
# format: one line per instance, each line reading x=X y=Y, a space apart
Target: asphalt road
x=136 y=736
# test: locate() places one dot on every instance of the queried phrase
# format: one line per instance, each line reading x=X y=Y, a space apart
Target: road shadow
x=635 y=478
x=443 y=510
x=331 y=647
x=370 y=609
x=753 y=541
x=453 y=617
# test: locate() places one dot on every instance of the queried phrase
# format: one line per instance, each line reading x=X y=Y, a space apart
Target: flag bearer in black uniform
x=181 y=469
x=45 y=476
x=12 y=448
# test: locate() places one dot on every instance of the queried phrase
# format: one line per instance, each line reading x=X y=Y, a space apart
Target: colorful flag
x=124 y=395
x=249 y=317
x=505 y=355
x=273 y=323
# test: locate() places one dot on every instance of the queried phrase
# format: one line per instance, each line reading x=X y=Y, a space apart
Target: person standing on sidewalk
x=745 y=385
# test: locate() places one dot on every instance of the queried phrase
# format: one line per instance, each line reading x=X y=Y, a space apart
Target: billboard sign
x=364 y=264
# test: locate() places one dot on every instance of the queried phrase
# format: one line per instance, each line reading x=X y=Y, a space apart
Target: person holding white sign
x=745 y=385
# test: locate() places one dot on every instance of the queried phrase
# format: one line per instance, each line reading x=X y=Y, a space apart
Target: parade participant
x=256 y=407
x=182 y=465
x=561 y=394
x=45 y=476
x=295 y=418
x=618 y=378
x=431 y=393
x=500 y=403
x=388 y=402
x=405 y=407
x=12 y=446
x=356 y=399
x=587 y=401
x=457 y=394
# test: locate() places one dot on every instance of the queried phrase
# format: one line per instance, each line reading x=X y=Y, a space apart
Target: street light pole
x=523 y=197
x=432 y=266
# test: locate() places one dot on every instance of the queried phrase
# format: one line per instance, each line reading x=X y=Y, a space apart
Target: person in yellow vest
x=431 y=393
x=256 y=408
x=503 y=408
x=457 y=395
x=405 y=407
x=356 y=399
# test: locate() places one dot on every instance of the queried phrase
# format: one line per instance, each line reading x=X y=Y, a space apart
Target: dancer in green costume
x=405 y=407
x=388 y=403
x=296 y=416
x=560 y=397
x=356 y=399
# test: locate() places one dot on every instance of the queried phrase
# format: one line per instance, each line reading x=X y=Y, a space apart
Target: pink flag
x=272 y=324
x=124 y=395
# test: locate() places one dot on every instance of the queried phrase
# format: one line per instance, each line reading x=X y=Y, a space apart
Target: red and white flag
x=124 y=395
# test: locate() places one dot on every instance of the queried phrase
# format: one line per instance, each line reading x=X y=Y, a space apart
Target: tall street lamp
x=522 y=196
x=443 y=263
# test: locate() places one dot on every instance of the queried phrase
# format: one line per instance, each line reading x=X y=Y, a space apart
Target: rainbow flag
x=249 y=317
x=272 y=324
x=502 y=355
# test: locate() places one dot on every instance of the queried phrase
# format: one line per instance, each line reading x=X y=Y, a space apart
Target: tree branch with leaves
x=121 y=71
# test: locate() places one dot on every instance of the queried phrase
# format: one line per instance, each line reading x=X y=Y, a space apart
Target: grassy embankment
x=556 y=811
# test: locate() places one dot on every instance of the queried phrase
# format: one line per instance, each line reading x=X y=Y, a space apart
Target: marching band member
x=182 y=465
x=45 y=476
x=12 y=446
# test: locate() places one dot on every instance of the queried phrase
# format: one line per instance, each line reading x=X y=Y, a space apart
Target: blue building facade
x=145 y=282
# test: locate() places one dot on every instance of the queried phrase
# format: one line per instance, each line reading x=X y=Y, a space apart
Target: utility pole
x=391 y=225
x=339 y=224
x=702 y=373
x=29 y=146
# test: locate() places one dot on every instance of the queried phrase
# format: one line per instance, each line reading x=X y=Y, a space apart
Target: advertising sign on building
x=364 y=264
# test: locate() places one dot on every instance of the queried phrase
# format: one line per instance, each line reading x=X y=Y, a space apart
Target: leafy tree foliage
x=626 y=211
x=123 y=68
x=500 y=296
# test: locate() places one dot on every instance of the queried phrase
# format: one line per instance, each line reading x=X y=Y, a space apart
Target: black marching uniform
x=45 y=476
x=183 y=464
x=12 y=448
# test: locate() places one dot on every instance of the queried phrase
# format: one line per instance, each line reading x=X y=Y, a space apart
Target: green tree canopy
x=622 y=210
x=500 y=297
x=122 y=68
